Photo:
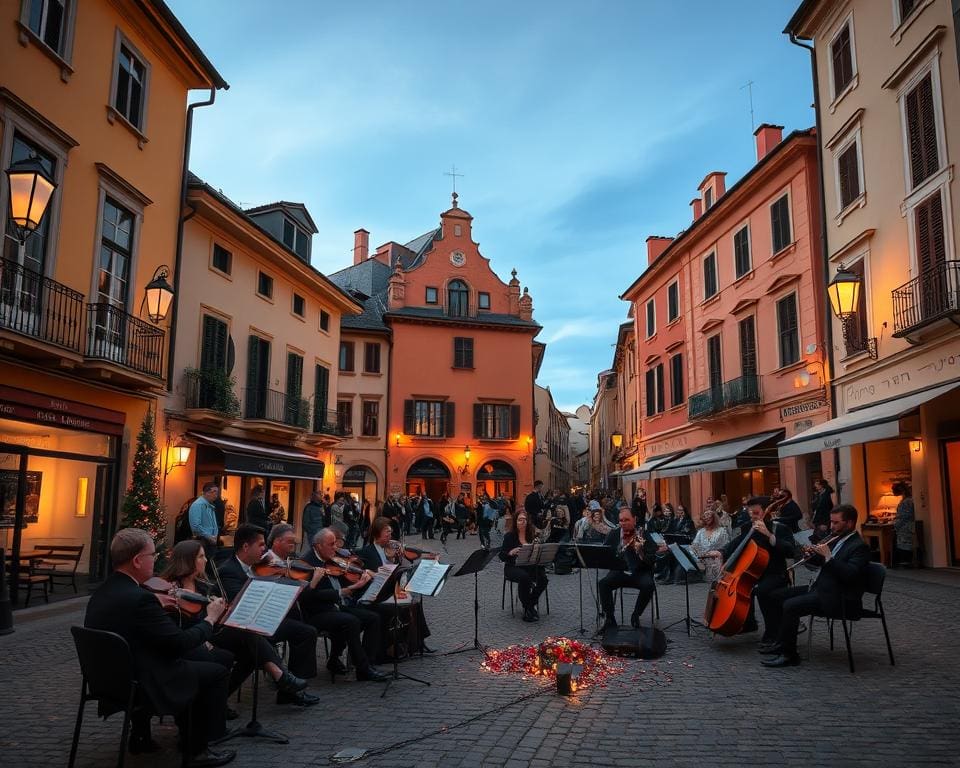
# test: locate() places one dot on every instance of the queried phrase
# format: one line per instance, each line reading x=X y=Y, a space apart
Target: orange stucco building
x=729 y=320
x=461 y=359
x=98 y=95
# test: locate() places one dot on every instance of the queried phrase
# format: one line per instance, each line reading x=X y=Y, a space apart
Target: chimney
x=656 y=244
x=361 y=246
x=768 y=136
x=697 y=205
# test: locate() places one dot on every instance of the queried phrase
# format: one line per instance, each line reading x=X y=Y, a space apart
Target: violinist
x=778 y=541
x=639 y=553
x=531 y=580
x=836 y=591
x=186 y=570
x=330 y=606
x=169 y=682
x=788 y=512
x=234 y=573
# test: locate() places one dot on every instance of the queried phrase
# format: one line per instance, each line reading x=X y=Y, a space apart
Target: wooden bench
x=60 y=561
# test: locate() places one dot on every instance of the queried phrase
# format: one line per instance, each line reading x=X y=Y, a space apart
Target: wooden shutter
x=253 y=363
x=651 y=403
x=514 y=422
x=748 y=347
x=477 y=420
x=922 y=132
x=714 y=362
x=849 y=175
x=321 y=392
x=294 y=374
x=931 y=244
x=409 y=416
x=660 y=398
x=449 y=420
x=213 y=348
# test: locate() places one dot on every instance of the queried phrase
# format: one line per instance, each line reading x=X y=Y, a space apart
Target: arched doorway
x=361 y=483
x=496 y=477
x=430 y=477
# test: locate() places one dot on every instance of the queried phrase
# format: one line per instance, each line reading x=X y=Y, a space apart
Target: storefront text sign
x=934 y=366
x=798 y=409
x=56 y=412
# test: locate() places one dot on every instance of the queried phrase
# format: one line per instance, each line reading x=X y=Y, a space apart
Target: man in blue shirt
x=203 y=519
x=426 y=510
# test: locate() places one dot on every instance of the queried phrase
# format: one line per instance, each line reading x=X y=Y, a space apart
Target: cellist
x=778 y=541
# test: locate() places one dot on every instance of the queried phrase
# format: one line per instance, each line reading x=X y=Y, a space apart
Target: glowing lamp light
x=616 y=439
x=844 y=292
x=159 y=295
x=916 y=444
x=466 y=452
x=396 y=439
x=177 y=455
x=30 y=191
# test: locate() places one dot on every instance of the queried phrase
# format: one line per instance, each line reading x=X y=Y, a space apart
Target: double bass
x=728 y=601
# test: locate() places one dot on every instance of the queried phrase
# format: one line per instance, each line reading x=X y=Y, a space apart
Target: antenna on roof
x=749 y=86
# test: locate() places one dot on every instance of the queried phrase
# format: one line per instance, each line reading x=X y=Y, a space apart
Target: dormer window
x=458 y=299
x=296 y=239
x=707 y=198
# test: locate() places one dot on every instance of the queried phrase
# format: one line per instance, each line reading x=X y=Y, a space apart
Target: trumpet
x=811 y=555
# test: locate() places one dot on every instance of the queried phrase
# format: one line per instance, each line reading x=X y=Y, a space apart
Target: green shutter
x=449 y=420
x=409 y=416
x=514 y=422
x=477 y=420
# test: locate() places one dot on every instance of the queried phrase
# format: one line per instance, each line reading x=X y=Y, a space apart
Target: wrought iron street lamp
x=159 y=295
x=844 y=292
x=31 y=189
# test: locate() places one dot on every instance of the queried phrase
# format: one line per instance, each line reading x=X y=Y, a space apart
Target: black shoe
x=289 y=683
x=792 y=660
x=535 y=610
x=770 y=649
x=426 y=649
x=299 y=699
x=336 y=666
x=529 y=616
x=373 y=675
x=208 y=758
x=142 y=745
x=232 y=714
x=610 y=624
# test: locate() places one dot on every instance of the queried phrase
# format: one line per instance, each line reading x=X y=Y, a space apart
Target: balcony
x=119 y=343
x=276 y=411
x=327 y=423
x=733 y=394
x=39 y=309
x=209 y=395
x=927 y=303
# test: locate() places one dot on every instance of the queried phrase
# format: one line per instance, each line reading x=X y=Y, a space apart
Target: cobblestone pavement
x=708 y=701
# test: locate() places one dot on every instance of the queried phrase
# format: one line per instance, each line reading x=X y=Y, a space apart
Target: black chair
x=654 y=603
x=874 y=578
x=511 y=582
x=109 y=678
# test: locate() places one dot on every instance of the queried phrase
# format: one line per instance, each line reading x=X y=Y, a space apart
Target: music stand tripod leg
x=397 y=674
x=254 y=729
x=477 y=645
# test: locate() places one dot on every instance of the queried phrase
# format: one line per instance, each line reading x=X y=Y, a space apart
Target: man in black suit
x=330 y=605
x=257 y=510
x=534 y=504
x=638 y=555
x=169 y=683
x=778 y=541
x=836 y=591
x=234 y=572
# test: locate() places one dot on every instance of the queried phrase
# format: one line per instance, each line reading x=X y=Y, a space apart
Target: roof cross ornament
x=453 y=174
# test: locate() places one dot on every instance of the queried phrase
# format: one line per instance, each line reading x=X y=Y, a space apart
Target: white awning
x=750 y=452
x=873 y=422
x=646 y=470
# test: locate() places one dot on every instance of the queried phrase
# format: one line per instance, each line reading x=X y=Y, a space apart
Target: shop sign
x=42 y=409
x=798 y=409
x=803 y=425
x=269 y=466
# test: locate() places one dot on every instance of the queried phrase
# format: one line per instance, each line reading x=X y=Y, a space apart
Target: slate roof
x=284 y=204
x=487 y=318
x=367 y=283
x=419 y=246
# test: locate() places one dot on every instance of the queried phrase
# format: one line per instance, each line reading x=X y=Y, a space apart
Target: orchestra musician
x=169 y=682
x=836 y=590
x=330 y=605
x=638 y=553
x=531 y=580
x=778 y=541
x=186 y=570
x=248 y=544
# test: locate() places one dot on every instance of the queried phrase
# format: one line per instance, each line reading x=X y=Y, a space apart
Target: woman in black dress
x=531 y=580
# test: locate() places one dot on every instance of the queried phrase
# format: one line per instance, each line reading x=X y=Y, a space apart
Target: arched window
x=458 y=299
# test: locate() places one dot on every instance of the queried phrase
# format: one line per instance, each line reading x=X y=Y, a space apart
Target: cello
x=728 y=601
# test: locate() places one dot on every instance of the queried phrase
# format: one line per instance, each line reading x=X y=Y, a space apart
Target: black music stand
x=478 y=560
x=597 y=557
x=690 y=563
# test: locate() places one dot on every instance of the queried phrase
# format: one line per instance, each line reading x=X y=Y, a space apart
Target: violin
x=288 y=569
x=174 y=599
x=415 y=553
x=350 y=569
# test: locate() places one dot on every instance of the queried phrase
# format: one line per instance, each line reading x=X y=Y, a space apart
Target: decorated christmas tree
x=141 y=506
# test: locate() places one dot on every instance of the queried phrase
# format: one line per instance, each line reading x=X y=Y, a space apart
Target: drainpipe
x=181 y=220
x=827 y=312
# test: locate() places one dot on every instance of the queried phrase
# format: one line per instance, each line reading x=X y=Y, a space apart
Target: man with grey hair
x=169 y=682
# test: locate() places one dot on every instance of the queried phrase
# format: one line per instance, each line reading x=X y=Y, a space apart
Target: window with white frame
x=741 y=252
x=843 y=58
x=673 y=301
x=130 y=83
x=923 y=132
x=51 y=21
x=849 y=172
x=651 y=312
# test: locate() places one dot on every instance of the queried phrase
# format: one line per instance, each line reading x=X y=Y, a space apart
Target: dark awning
x=750 y=452
x=242 y=458
x=496 y=470
x=429 y=468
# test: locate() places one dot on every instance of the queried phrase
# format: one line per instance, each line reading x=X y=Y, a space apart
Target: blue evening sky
x=581 y=128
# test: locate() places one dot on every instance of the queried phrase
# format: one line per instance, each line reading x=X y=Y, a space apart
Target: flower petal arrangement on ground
x=596 y=666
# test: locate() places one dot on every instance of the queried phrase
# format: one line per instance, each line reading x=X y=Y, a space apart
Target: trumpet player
x=836 y=590
x=638 y=553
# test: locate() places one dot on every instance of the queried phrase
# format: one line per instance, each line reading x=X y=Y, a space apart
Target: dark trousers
x=483 y=529
x=346 y=629
x=769 y=606
x=787 y=606
x=530 y=581
x=426 y=528
x=642 y=581
x=249 y=651
x=208 y=710
x=302 y=640
x=461 y=528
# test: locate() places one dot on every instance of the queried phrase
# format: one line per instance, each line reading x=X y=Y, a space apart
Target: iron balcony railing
x=279 y=407
x=731 y=394
x=37 y=306
x=211 y=389
x=327 y=423
x=118 y=337
x=933 y=294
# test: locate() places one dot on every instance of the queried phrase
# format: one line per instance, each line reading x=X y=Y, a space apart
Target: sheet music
x=537 y=554
x=802 y=538
x=373 y=589
x=693 y=556
x=428 y=578
x=262 y=605
x=657 y=538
